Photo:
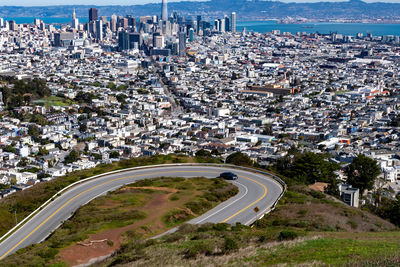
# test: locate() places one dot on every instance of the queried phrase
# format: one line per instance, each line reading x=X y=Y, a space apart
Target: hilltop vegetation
x=18 y=93
x=139 y=210
x=306 y=228
x=27 y=201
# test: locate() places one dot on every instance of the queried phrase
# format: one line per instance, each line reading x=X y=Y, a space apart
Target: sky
x=126 y=2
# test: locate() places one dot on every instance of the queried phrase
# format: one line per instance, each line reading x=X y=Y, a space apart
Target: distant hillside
x=246 y=9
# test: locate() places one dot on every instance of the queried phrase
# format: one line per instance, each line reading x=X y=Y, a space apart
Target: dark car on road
x=228 y=176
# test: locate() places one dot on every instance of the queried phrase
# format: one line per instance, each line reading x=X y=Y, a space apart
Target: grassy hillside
x=25 y=202
x=306 y=228
x=139 y=210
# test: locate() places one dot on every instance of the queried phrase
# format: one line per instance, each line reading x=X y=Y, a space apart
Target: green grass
x=176 y=217
x=219 y=245
x=55 y=101
x=298 y=232
x=341 y=92
x=25 y=202
x=132 y=200
x=331 y=251
x=122 y=208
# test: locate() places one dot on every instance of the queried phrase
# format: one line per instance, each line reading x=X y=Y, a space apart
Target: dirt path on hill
x=106 y=242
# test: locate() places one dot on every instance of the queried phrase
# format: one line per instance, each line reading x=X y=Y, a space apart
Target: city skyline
x=139 y=2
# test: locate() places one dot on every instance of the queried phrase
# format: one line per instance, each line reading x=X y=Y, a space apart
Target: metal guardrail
x=58 y=194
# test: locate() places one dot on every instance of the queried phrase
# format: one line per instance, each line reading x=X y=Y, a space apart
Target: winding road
x=255 y=190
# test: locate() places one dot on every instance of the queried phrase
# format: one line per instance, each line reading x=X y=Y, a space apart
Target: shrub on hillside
x=198 y=248
x=221 y=226
x=230 y=245
x=287 y=235
x=240 y=159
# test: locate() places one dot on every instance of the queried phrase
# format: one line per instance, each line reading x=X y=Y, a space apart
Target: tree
x=307 y=168
x=395 y=122
x=72 y=157
x=122 y=87
x=97 y=84
x=268 y=129
x=40 y=119
x=33 y=131
x=84 y=97
x=6 y=92
x=23 y=162
x=27 y=99
x=234 y=76
x=43 y=151
x=12 y=181
x=82 y=128
x=238 y=158
x=112 y=86
x=203 y=153
x=4 y=186
x=114 y=154
x=121 y=98
x=10 y=149
x=388 y=209
x=215 y=152
x=362 y=172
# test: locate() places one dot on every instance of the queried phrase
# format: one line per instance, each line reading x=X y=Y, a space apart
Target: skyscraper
x=222 y=25
x=191 y=35
x=164 y=12
x=99 y=30
x=92 y=28
x=227 y=24
x=216 y=25
x=75 y=21
x=128 y=41
x=155 y=34
x=113 y=23
x=36 y=22
x=198 y=23
x=104 y=19
x=124 y=23
x=182 y=44
x=233 y=22
x=123 y=41
x=13 y=25
x=93 y=14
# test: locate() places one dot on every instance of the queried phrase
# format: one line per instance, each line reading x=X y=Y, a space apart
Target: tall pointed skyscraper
x=75 y=21
x=164 y=12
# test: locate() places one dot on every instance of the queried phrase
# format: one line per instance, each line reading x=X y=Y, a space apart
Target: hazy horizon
x=135 y=2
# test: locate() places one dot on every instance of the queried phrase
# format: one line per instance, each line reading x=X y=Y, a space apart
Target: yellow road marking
x=240 y=211
x=124 y=178
x=84 y=192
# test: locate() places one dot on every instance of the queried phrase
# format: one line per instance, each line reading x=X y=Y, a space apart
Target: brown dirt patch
x=109 y=204
x=91 y=248
x=166 y=189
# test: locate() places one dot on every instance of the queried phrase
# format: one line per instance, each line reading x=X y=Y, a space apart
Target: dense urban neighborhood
x=185 y=139
x=80 y=95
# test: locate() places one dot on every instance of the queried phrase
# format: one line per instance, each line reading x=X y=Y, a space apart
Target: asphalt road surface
x=255 y=190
